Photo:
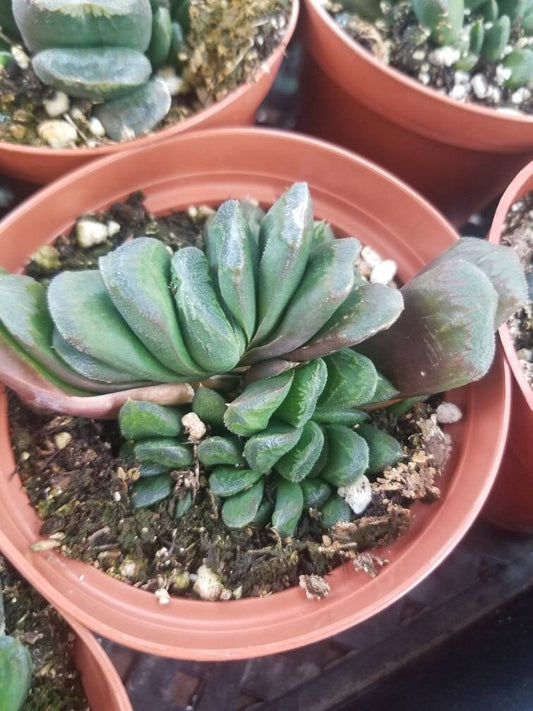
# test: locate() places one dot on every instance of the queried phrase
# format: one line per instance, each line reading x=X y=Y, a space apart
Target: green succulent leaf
x=369 y=10
x=384 y=391
x=352 y=381
x=339 y=416
x=288 y=508
x=321 y=235
x=316 y=492
x=496 y=39
x=166 y=451
x=147 y=470
x=228 y=481
x=477 y=35
x=300 y=460
x=251 y=411
x=220 y=450
x=15 y=673
x=369 y=309
x=443 y=17
x=308 y=383
x=210 y=406
x=268 y=369
x=322 y=459
x=242 y=509
x=520 y=64
x=178 y=44
x=138 y=420
x=150 y=490
x=348 y=456
x=183 y=505
x=263 y=450
x=264 y=513
x=489 y=10
x=209 y=336
x=383 y=450
x=446 y=307
x=334 y=510
x=403 y=406
x=514 y=9
x=136 y=276
x=161 y=39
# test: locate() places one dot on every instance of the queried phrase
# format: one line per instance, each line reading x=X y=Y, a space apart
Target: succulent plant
x=15 y=669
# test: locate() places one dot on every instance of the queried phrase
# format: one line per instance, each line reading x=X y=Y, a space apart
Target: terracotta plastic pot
x=42 y=165
x=101 y=683
x=460 y=156
x=511 y=501
x=358 y=198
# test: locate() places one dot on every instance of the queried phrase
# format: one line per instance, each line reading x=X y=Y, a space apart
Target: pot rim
x=521 y=183
x=254 y=627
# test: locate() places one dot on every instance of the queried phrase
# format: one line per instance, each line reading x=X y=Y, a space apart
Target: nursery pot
x=511 y=501
x=99 y=678
x=42 y=165
x=357 y=198
x=460 y=156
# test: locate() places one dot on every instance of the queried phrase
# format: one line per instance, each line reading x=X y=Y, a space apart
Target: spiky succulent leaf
x=307 y=385
x=288 y=508
x=251 y=411
x=139 y=420
x=445 y=335
x=383 y=450
x=220 y=450
x=166 y=451
x=228 y=481
x=300 y=460
x=263 y=450
x=241 y=510
x=352 y=381
x=15 y=673
x=347 y=456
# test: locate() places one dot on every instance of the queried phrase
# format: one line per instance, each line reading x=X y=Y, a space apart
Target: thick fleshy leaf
x=322 y=459
x=339 y=416
x=15 y=673
x=210 y=406
x=288 y=508
x=268 y=369
x=286 y=236
x=136 y=276
x=300 y=460
x=151 y=490
x=87 y=319
x=334 y=510
x=383 y=450
x=236 y=281
x=445 y=336
x=308 y=383
x=352 y=381
x=251 y=411
x=322 y=234
x=139 y=420
x=316 y=492
x=228 y=481
x=166 y=451
x=370 y=308
x=208 y=335
x=240 y=510
x=264 y=513
x=499 y=263
x=263 y=450
x=183 y=505
x=220 y=450
x=147 y=470
x=384 y=391
x=326 y=283
x=347 y=456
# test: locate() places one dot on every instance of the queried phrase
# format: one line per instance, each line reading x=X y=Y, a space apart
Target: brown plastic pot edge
x=358 y=198
x=42 y=165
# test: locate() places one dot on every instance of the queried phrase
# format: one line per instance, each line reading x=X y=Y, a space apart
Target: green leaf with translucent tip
x=326 y=283
x=347 y=456
x=520 y=64
x=183 y=505
x=161 y=39
x=501 y=266
x=95 y=73
x=321 y=235
x=15 y=673
x=151 y=490
x=286 y=236
x=368 y=309
x=334 y=510
x=300 y=460
x=316 y=492
x=146 y=470
x=352 y=380
x=210 y=406
x=268 y=369
x=496 y=39
x=241 y=510
x=235 y=271
x=263 y=450
x=384 y=391
x=220 y=450
x=443 y=17
x=136 y=276
x=138 y=420
x=208 y=335
x=288 y=508
x=251 y=411
x=308 y=383
x=383 y=450
x=339 y=416
x=87 y=319
x=165 y=451
x=477 y=35
x=446 y=307
x=228 y=481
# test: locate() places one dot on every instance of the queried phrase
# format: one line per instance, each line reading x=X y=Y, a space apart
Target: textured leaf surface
x=383 y=450
x=251 y=411
x=347 y=456
x=352 y=380
x=288 y=508
x=220 y=450
x=15 y=673
x=138 y=420
x=151 y=490
x=316 y=492
x=298 y=463
x=308 y=383
x=183 y=505
x=268 y=369
x=240 y=510
x=339 y=416
x=165 y=451
x=334 y=510
x=263 y=450
x=384 y=391
x=228 y=481
x=210 y=406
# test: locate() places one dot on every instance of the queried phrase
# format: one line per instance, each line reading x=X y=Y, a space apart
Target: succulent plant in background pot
x=82 y=81
x=439 y=93
x=302 y=389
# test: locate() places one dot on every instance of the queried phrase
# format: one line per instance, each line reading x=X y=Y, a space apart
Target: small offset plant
x=15 y=668
x=276 y=305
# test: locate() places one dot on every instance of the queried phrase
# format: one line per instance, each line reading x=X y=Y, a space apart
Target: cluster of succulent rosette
x=275 y=311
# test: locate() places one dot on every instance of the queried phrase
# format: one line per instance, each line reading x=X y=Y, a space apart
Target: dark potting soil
x=74 y=477
x=398 y=40
x=518 y=233
x=56 y=683
x=226 y=47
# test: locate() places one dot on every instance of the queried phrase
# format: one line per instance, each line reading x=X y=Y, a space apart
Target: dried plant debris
x=518 y=233
x=56 y=683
